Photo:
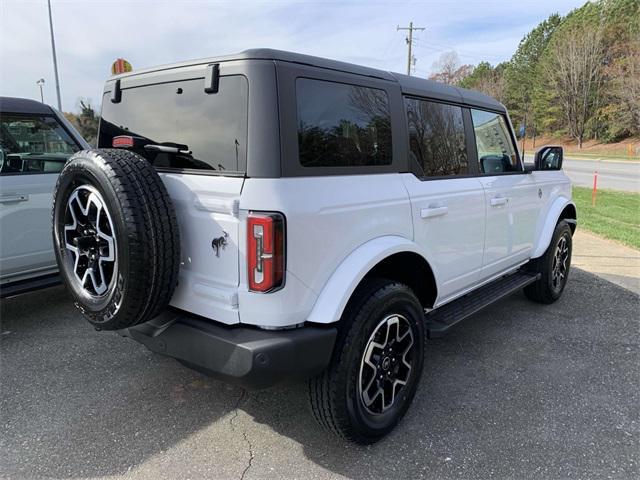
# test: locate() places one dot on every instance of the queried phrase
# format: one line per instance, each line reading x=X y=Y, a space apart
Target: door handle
x=499 y=200
x=18 y=197
x=433 y=212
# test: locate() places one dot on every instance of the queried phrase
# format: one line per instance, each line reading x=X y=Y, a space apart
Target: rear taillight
x=123 y=141
x=265 y=251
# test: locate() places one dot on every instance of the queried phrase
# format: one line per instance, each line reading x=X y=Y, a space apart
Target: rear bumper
x=249 y=357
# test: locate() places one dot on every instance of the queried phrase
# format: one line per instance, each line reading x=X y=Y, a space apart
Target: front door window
x=496 y=153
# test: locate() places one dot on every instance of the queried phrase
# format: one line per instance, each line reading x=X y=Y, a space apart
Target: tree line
x=577 y=75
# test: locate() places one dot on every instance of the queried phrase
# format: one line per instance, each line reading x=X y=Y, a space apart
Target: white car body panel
x=327 y=218
x=556 y=191
x=448 y=219
x=351 y=271
x=512 y=206
x=206 y=208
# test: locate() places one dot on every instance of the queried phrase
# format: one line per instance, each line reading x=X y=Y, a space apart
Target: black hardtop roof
x=410 y=85
x=23 y=105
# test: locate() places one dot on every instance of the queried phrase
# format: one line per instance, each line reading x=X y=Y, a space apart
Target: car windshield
x=33 y=144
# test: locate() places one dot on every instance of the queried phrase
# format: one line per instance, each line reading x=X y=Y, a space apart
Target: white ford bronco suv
x=271 y=216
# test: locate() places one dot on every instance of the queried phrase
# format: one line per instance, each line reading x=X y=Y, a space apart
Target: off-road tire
x=333 y=395
x=145 y=230
x=543 y=290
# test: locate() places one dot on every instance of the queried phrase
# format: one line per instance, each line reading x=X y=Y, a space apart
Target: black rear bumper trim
x=249 y=357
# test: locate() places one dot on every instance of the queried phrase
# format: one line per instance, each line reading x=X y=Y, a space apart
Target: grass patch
x=616 y=215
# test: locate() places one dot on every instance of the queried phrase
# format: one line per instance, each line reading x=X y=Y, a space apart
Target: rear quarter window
x=342 y=125
x=209 y=129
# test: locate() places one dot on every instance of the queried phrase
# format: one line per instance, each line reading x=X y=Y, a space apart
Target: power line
x=390 y=46
x=439 y=47
x=409 y=39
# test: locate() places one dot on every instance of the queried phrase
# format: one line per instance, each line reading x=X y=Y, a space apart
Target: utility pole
x=55 y=61
x=409 y=40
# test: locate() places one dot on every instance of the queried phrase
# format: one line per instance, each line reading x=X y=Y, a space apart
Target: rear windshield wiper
x=177 y=148
x=182 y=151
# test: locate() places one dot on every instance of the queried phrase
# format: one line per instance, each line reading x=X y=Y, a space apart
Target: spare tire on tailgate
x=116 y=237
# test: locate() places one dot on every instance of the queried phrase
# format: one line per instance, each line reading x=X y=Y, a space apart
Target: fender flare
x=551 y=220
x=343 y=281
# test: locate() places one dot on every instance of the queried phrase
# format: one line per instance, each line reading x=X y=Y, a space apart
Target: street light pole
x=55 y=61
x=40 y=83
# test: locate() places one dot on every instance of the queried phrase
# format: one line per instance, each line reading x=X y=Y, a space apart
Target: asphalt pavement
x=613 y=175
x=518 y=391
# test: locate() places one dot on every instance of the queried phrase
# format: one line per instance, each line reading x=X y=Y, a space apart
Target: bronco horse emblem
x=219 y=243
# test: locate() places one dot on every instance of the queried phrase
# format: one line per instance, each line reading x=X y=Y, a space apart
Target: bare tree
x=624 y=73
x=449 y=70
x=494 y=86
x=86 y=121
x=575 y=73
x=368 y=102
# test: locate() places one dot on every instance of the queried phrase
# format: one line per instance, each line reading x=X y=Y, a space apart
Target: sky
x=91 y=34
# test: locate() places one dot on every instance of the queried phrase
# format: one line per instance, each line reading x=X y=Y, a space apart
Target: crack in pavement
x=243 y=396
x=246 y=469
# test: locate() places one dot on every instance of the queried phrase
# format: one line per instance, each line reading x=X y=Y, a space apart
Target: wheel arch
x=570 y=214
x=391 y=257
x=561 y=209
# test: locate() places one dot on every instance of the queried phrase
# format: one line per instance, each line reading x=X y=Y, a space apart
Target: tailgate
x=207 y=210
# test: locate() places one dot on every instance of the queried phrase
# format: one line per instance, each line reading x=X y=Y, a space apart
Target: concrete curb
x=610 y=260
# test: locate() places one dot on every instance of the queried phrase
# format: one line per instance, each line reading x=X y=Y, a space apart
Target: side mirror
x=549 y=157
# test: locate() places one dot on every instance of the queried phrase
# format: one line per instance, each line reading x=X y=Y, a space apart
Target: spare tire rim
x=90 y=237
x=385 y=367
x=560 y=263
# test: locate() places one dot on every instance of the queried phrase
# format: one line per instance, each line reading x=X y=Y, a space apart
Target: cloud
x=91 y=34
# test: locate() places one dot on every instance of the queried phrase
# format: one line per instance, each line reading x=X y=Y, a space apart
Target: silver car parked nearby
x=35 y=143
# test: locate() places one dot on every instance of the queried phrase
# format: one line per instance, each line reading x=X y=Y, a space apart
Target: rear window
x=208 y=131
x=342 y=125
x=437 y=138
x=33 y=144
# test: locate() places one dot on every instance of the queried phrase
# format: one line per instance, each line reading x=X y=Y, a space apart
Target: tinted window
x=33 y=144
x=436 y=138
x=496 y=153
x=210 y=130
x=342 y=125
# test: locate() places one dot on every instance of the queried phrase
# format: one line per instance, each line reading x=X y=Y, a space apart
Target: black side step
x=442 y=319
x=24 y=286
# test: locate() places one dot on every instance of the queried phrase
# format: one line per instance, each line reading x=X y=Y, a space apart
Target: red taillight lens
x=265 y=251
x=122 y=141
